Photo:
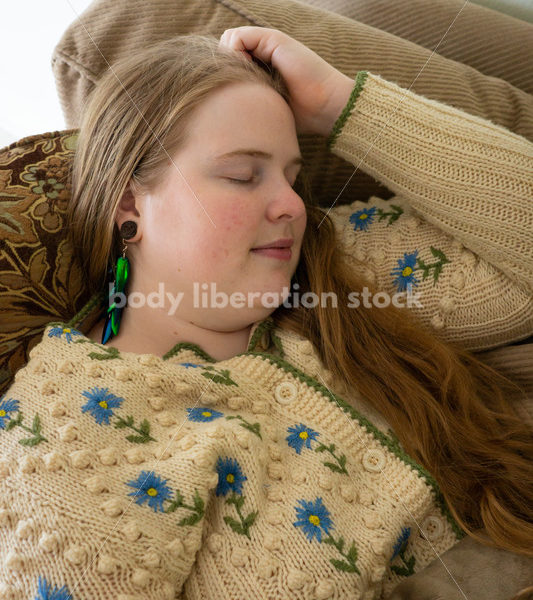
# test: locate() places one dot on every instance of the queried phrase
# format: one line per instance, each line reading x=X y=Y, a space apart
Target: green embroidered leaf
x=30 y=441
x=400 y=570
x=145 y=427
x=253 y=428
x=320 y=448
x=190 y=520
x=198 y=502
x=11 y=424
x=342 y=461
x=352 y=553
x=340 y=544
x=439 y=254
x=235 y=525
x=249 y=520
x=330 y=540
x=341 y=565
x=334 y=467
x=175 y=503
x=36 y=426
x=137 y=439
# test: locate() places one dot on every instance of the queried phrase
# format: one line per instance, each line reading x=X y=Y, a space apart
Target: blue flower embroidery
x=203 y=414
x=230 y=479
x=46 y=592
x=191 y=365
x=59 y=331
x=99 y=404
x=407 y=565
x=151 y=488
x=230 y=476
x=362 y=218
x=313 y=518
x=401 y=541
x=6 y=407
x=300 y=435
x=404 y=272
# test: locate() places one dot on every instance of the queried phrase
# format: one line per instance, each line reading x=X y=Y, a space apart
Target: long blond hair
x=448 y=409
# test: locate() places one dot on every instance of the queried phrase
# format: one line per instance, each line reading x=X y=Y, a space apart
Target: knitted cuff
x=360 y=79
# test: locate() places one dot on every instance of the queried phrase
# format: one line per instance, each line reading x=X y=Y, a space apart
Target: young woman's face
x=201 y=225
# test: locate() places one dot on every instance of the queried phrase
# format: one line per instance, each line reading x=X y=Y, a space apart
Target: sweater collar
x=259 y=340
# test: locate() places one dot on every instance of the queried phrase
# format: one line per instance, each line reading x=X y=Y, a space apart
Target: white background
x=29 y=31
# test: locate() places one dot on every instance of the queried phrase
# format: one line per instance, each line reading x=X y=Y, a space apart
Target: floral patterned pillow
x=40 y=281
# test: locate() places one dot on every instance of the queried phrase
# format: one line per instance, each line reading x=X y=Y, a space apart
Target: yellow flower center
x=103 y=404
x=314 y=520
x=363 y=216
x=407 y=271
x=151 y=492
x=230 y=478
x=303 y=435
x=2 y=413
x=206 y=413
x=66 y=330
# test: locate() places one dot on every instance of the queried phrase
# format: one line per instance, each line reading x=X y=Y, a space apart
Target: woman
x=266 y=450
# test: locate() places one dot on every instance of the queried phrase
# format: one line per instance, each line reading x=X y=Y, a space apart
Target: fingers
x=259 y=41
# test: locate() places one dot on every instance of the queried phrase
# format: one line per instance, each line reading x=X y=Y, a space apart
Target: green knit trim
x=266 y=325
x=360 y=79
x=385 y=440
x=188 y=346
x=95 y=300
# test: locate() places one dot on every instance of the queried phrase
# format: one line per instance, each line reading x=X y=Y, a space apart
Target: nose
x=287 y=205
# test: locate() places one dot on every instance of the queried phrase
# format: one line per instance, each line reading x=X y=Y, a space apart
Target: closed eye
x=249 y=181
x=240 y=180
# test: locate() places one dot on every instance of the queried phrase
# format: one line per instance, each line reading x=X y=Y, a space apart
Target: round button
x=286 y=392
x=432 y=528
x=374 y=460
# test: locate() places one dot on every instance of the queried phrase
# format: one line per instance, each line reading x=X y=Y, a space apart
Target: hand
x=318 y=91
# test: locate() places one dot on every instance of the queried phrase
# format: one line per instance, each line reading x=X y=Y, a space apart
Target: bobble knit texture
x=135 y=476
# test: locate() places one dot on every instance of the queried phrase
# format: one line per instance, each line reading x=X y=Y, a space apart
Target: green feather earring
x=122 y=271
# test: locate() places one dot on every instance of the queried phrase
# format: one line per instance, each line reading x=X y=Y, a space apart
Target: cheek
x=234 y=218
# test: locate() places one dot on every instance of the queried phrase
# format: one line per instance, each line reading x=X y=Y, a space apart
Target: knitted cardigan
x=132 y=476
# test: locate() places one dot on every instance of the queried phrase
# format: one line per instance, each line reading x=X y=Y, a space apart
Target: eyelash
x=240 y=181
x=245 y=181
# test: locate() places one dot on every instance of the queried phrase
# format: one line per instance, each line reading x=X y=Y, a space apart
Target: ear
x=127 y=210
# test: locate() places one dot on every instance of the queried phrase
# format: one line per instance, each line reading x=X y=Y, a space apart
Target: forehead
x=243 y=119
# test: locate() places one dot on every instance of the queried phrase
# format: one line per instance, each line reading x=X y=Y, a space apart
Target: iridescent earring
x=128 y=230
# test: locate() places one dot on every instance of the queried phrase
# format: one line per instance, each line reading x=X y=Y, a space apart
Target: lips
x=281 y=243
x=279 y=253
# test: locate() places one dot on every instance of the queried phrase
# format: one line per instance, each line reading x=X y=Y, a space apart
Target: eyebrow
x=298 y=160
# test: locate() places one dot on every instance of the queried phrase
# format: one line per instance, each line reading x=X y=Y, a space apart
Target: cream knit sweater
x=139 y=477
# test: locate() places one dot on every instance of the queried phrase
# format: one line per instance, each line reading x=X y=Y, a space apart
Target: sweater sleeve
x=458 y=231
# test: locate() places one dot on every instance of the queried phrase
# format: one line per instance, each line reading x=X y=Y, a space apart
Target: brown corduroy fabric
x=495 y=44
